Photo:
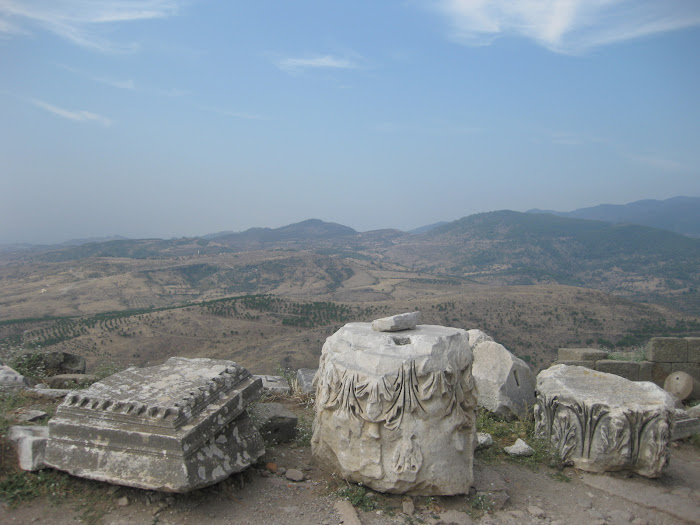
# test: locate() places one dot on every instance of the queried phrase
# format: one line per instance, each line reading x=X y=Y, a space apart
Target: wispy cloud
x=80 y=115
x=233 y=114
x=565 y=26
x=81 y=22
x=296 y=65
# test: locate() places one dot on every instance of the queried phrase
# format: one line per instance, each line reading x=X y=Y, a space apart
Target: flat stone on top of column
x=396 y=323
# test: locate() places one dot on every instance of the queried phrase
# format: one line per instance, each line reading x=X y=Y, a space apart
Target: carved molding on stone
x=605 y=436
x=398 y=418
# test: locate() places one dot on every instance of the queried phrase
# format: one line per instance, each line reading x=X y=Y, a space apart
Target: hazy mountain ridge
x=502 y=247
x=677 y=214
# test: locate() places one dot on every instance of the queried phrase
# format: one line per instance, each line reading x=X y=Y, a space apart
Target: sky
x=170 y=118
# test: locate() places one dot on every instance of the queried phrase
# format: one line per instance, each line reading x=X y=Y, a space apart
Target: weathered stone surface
x=396 y=323
x=682 y=386
x=627 y=369
x=275 y=422
x=694 y=411
x=477 y=336
x=693 y=349
x=603 y=422
x=305 y=380
x=505 y=384
x=659 y=373
x=684 y=425
x=29 y=416
x=54 y=363
x=49 y=393
x=692 y=369
x=10 y=378
x=646 y=369
x=587 y=364
x=30 y=444
x=71 y=380
x=581 y=354
x=519 y=448
x=174 y=427
x=667 y=350
x=275 y=384
x=396 y=412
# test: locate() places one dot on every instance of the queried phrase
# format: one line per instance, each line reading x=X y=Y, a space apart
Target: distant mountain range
x=502 y=247
x=678 y=214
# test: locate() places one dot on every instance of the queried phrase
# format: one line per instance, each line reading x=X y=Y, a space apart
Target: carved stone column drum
x=395 y=410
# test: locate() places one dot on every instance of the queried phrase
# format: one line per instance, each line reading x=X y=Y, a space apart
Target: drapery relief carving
x=405 y=413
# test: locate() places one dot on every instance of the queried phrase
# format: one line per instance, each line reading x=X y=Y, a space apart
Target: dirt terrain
x=505 y=492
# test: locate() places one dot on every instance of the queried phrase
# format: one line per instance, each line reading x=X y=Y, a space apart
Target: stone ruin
x=395 y=407
x=505 y=383
x=174 y=427
x=602 y=422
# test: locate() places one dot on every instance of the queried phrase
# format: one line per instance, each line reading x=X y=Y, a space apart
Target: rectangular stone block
x=581 y=354
x=693 y=369
x=174 y=427
x=645 y=371
x=667 y=350
x=627 y=369
x=659 y=373
x=693 y=349
x=587 y=364
x=684 y=426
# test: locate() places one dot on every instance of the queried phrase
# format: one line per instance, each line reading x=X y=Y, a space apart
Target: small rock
x=535 y=511
x=519 y=448
x=294 y=475
x=346 y=513
x=407 y=507
x=281 y=471
x=483 y=440
x=32 y=415
x=272 y=467
x=123 y=501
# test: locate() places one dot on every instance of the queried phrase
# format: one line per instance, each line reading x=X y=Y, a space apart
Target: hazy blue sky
x=183 y=117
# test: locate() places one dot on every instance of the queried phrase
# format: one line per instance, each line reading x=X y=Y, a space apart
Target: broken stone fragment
x=30 y=443
x=175 y=427
x=519 y=448
x=505 y=383
x=396 y=323
x=275 y=384
x=10 y=378
x=29 y=416
x=602 y=422
x=305 y=380
x=71 y=381
x=275 y=422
